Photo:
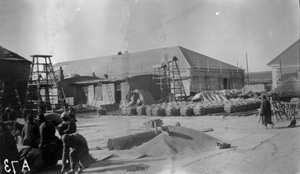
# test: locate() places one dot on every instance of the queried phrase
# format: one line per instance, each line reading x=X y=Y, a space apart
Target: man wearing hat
x=72 y=114
x=30 y=134
x=68 y=125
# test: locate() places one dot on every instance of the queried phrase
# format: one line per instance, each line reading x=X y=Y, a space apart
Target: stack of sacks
x=149 y=110
x=131 y=110
x=159 y=111
x=173 y=110
x=141 y=110
x=124 y=111
x=199 y=109
x=187 y=110
x=102 y=111
x=241 y=105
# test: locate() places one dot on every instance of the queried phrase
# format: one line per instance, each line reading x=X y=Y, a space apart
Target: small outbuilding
x=108 y=92
x=259 y=81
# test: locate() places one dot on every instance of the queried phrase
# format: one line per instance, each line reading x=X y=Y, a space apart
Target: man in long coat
x=266 y=111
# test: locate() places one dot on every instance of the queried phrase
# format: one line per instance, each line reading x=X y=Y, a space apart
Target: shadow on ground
x=132 y=167
x=286 y=127
x=103 y=163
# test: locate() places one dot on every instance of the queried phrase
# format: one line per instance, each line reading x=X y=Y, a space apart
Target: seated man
x=30 y=134
x=48 y=142
x=75 y=145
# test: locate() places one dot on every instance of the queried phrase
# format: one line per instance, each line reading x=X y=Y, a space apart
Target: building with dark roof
x=14 y=74
x=286 y=65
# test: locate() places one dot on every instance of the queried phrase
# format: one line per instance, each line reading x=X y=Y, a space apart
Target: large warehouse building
x=199 y=72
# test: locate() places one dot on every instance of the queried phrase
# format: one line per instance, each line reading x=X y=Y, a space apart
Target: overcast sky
x=80 y=29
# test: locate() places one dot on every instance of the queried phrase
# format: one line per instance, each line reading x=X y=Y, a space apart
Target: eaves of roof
x=277 y=57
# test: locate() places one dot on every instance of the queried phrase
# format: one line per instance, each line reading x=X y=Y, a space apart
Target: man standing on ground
x=266 y=112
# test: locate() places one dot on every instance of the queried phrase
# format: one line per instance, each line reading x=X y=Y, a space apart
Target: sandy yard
x=254 y=149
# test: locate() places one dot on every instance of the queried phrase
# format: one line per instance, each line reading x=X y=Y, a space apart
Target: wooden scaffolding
x=170 y=80
x=42 y=90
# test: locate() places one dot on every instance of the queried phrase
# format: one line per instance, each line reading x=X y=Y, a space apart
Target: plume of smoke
x=164 y=34
x=125 y=21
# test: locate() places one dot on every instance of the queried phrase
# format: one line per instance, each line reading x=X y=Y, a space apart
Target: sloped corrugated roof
x=197 y=59
x=139 y=62
x=288 y=56
x=6 y=54
x=125 y=64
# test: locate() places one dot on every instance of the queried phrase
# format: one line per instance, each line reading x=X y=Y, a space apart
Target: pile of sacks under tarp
x=209 y=96
x=241 y=105
x=203 y=103
x=185 y=108
x=138 y=98
x=224 y=95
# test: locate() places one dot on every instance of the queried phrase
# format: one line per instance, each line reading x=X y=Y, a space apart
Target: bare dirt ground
x=254 y=149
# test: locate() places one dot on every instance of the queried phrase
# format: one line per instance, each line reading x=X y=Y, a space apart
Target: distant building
x=259 y=81
x=290 y=65
x=199 y=72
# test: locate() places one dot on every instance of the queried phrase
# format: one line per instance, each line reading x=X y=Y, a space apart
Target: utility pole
x=247 y=69
x=280 y=72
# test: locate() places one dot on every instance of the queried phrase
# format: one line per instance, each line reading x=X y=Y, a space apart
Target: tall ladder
x=42 y=89
x=109 y=93
x=170 y=79
x=94 y=101
x=176 y=83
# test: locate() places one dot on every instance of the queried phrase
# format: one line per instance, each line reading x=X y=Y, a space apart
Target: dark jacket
x=30 y=134
x=4 y=116
x=8 y=147
x=76 y=141
x=265 y=108
x=47 y=133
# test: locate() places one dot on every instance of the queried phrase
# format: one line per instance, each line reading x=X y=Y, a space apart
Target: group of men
x=40 y=134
